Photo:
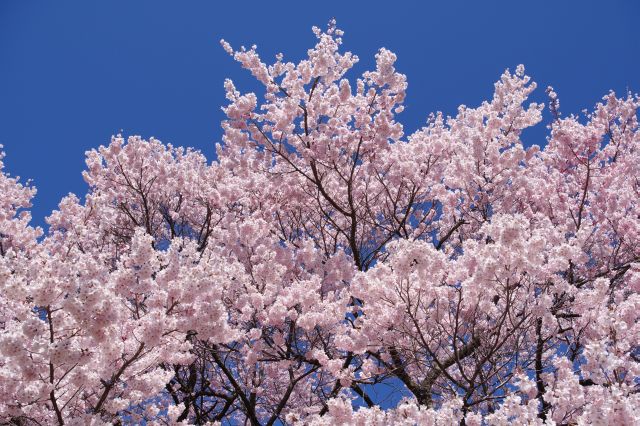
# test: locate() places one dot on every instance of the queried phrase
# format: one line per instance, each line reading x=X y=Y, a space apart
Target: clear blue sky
x=72 y=73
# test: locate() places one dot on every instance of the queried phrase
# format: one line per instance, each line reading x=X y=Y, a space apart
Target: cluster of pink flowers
x=325 y=254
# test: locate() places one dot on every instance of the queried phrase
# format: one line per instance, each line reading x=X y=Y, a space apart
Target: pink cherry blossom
x=325 y=255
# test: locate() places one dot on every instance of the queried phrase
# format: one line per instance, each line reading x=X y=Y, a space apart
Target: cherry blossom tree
x=326 y=255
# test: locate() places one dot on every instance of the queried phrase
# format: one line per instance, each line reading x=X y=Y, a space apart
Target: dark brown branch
x=108 y=385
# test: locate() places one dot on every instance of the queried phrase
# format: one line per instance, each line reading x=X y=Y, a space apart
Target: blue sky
x=72 y=73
